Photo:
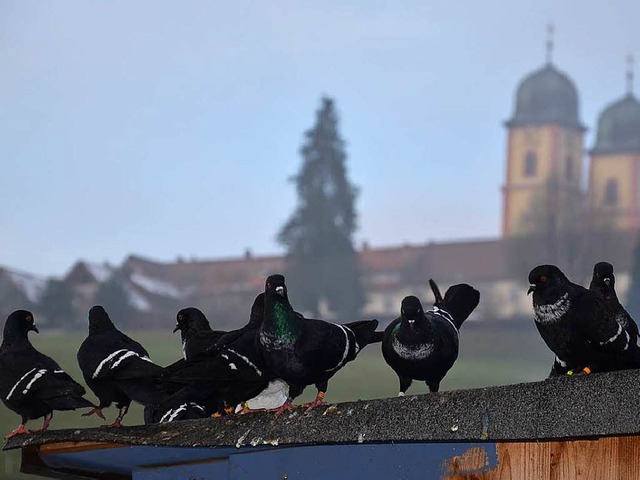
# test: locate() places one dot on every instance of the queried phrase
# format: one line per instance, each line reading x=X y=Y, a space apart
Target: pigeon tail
x=365 y=332
x=436 y=293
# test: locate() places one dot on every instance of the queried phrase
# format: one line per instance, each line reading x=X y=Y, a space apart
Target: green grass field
x=489 y=355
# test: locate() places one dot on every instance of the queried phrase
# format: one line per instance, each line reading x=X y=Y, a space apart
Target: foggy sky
x=171 y=128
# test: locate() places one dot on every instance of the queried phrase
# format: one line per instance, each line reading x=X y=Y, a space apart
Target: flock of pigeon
x=267 y=363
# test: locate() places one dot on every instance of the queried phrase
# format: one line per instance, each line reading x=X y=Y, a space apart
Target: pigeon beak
x=34 y=328
x=532 y=288
x=607 y=281
x=411 y=321
x=280 y=291
x=177 y=328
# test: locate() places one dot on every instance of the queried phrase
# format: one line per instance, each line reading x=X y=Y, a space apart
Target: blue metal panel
x=393 y=461
x=192 y=471
x=123 y=460
x=353 y=462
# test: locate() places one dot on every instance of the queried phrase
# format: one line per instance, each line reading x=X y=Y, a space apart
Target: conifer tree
x=321 y=262
x=115 y=299
x=56 y=303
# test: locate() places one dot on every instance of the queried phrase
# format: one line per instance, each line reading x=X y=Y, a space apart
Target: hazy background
x=170 y=128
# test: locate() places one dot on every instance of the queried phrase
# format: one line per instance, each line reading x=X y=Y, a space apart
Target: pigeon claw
x=319 y=401
x=116 y=423
x=94 y=411
x=45 y=424
x=18 y=431
x=288 y=405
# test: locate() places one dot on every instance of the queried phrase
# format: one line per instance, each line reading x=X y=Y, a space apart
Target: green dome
x=546 y=96
x=619 y=127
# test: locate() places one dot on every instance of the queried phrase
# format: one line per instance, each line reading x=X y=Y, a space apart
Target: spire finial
x=550 y=32
x=630 y=65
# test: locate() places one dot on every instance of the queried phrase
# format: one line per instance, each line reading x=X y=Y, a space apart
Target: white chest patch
x=553 y=312
x=413 y=352
x=273 y=396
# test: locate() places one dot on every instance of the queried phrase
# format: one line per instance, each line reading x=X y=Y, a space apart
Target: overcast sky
x=170 y=128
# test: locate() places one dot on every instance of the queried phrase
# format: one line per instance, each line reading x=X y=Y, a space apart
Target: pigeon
x=603 y=284
x=117 y=368
x=421 y=345
x=575 y=324
x=255 y=320
x=218 y=379
x=303 y=351
x=32 y=384
x=195 y=332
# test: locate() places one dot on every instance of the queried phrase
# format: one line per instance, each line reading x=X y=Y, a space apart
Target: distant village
x=544 y=165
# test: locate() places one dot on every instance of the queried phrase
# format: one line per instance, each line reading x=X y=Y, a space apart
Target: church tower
x=614 y=177
x=544 y=149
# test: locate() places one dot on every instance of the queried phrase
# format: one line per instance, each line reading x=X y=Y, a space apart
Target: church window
x=530 y=165
x=570 y=172
x=611 y=192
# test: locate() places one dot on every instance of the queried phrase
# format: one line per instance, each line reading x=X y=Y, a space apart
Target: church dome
x=546 y=96
x=619 y=127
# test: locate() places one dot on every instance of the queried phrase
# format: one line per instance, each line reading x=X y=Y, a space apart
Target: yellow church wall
x=624 y=170
x=554 y=147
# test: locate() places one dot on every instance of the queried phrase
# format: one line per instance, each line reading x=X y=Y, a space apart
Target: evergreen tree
x=633 y=295
x=56 y=304
x=115 y=299
x=321 y=261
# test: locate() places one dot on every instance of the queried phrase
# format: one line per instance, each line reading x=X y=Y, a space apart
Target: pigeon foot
x=18 y=431
x=94 y=411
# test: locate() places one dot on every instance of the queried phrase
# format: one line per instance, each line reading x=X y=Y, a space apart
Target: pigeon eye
x=180 y=318
x=543 y=279
x=269 y=285
x=29 y=318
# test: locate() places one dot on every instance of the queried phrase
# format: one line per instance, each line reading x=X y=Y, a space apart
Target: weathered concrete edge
x=570 y=407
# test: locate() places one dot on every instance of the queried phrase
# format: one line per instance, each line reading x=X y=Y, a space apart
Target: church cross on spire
x=549 y=46
x=630 y=65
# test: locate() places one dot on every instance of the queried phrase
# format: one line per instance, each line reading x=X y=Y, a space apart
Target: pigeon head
x=411 y=308
x=99 y=320
x=18 y=325
x=544 y=277
x=189 y=319
x=460 y=300
x=603 y=275
x=275 y=283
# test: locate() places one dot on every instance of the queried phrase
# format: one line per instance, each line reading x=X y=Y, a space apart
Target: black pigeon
x=117 y=368
x=424 y=346
x=195 y=331
x=306 y=351
x=603 y=284
x=226 y=375
x=217 y=379
x=576 y=325
x=255 y=320
x=32 y=384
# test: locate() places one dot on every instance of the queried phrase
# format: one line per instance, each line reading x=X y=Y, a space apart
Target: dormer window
x=570 y=171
